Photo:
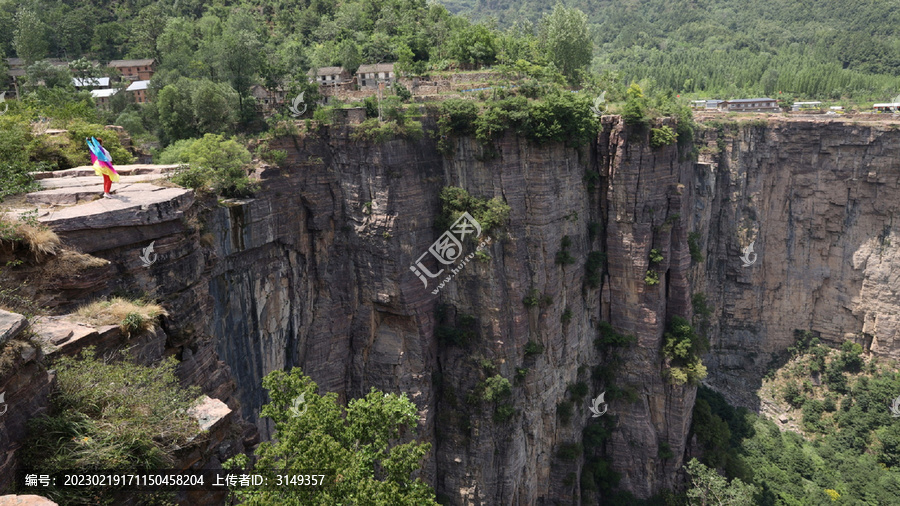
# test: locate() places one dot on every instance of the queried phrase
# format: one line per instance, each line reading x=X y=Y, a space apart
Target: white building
x=91 y=82
x=102 y=96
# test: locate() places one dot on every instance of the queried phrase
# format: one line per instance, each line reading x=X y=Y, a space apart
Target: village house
x=709 y=105
x=90 y=83
x=267 y=100
x=17 y=72
x=368 y=76
x=138 y=90
x=806 y=106
x=329 y=75
x=135 y=70
x=887 y=107
x=750 y=105
x=102 y=96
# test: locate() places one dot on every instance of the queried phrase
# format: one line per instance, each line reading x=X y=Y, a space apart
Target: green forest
x=845 y=446
x=824 y=50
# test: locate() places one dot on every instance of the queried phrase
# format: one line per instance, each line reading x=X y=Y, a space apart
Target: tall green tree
x=349 y=55
x=176 y=112
x=30 y=37
x=708 y=488
x=146 y=28
x=564 y=33
x=636 y=106
x=177 y=47
x=238 y=53
x=473 y=44
x=361 y=446
x=213 y=106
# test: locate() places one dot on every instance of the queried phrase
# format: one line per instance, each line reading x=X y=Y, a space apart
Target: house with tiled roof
x=329 y=75
x=368 y=76
x=750 y=105
x=135 y=70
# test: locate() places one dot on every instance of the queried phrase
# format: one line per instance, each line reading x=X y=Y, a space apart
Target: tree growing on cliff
x=682 y=348
x=635 y=111
x=358 y=448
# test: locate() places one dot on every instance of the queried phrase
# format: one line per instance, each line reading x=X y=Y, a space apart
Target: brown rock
x=11 y=324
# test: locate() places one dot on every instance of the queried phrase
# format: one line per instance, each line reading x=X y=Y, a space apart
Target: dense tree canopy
x=824 y=49
x=359 y=449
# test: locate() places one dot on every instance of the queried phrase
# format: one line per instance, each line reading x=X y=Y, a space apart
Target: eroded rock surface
x=818 y=199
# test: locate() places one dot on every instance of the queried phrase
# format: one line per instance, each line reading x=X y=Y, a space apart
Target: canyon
x=314 y=272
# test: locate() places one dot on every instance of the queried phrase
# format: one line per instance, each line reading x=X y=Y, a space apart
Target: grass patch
x=28 y=235
x=132 y=316
x=378 y=131
x=69 y=263
x=110 y=415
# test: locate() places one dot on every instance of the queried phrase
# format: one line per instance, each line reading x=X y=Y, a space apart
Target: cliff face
x=817 y=199
x=316 y=274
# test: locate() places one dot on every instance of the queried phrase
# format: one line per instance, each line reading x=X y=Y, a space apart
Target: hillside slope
x=816 y=49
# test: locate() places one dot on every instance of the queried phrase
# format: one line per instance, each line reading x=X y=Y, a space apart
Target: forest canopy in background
x=825 y=49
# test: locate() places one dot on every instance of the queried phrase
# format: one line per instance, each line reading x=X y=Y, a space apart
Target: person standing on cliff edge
x=102 y=162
